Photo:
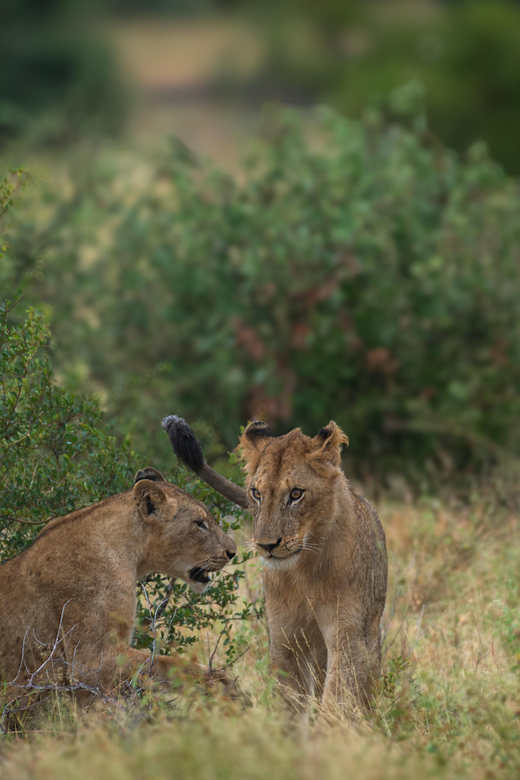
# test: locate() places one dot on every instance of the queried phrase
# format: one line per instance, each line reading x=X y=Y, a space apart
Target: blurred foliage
x=360 y=272
x=57 y=454
x=149 y=7
x=58 y=78
x=466 y=55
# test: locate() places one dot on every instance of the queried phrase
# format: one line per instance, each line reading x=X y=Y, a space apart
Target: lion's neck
x=105 y=530
x=339 y=526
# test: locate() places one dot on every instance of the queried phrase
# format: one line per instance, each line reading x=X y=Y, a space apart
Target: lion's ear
x=253 y=442
x=149 y=473
x=328 y=443
x=149 y=497
x=255 y=438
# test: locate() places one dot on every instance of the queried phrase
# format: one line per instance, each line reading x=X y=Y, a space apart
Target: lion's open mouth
x=199 y=575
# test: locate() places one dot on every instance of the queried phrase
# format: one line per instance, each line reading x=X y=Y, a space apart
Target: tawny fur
x=68 y=602
x=325 y=561
x=325 y=580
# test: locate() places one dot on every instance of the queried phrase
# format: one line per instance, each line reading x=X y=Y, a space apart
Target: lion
x=68 y=601
x=325 y=573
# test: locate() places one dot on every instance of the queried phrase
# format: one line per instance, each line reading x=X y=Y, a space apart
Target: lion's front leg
x=124 y=663
x=347 y=683
x=119 y=664
x=297 y=672
x=177 y=670
x=348 y=678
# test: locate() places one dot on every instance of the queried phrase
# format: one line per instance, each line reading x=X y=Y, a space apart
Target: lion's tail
x=187 y=448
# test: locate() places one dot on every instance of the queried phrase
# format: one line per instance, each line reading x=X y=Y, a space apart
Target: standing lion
x=324 y=549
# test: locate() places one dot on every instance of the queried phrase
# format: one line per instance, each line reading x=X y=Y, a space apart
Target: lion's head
x=290 y=480
x=183 y=539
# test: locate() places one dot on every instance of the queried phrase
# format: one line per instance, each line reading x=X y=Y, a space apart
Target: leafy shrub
x=366 y=275
x=58 y=79
x=465 y=54
x=57 y=454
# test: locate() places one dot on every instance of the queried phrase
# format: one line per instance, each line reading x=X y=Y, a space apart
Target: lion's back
x=371 y=559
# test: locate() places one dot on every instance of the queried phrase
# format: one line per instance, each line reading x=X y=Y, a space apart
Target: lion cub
x=68 y=602
x=324 y=549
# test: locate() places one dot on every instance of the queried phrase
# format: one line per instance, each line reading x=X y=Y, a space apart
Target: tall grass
x=448 y=704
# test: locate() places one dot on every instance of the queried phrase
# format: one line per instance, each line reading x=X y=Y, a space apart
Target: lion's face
x=182 y=538
x=291 y=489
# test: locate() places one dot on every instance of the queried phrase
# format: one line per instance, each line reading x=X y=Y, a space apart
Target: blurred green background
x=351 y=251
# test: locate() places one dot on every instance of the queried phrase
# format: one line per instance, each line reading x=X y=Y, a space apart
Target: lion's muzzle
x=279 y=550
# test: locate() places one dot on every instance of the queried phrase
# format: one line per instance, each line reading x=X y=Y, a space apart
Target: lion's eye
x=295 y=494
x=256 y=494
x=201 y=524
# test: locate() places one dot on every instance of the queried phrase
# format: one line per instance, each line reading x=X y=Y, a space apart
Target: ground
x=449 y=703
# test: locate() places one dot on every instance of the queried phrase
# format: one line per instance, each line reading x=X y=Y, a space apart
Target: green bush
x=58 y=78
x=57 y=454
x=465 y=54
x=366 y=275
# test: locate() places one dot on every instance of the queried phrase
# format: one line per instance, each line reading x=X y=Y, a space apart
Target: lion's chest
x=292 y=604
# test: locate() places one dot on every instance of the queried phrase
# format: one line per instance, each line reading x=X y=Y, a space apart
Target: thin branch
x=8 y=519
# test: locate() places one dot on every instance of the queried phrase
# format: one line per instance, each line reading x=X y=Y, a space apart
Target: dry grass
x=449 y=704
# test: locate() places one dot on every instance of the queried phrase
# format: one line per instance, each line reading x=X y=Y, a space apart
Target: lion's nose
x=230 y=554
x=270 y=547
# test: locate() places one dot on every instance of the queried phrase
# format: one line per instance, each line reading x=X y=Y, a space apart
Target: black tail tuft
x=184 y=442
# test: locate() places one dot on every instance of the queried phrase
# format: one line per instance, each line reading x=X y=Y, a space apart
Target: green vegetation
x=447 y=708
x=464 y=54
x=360 y=272
x=57 y=454
x=58 y=78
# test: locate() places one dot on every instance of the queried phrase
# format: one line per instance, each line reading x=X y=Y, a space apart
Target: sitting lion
x=68 y=602
x=325 y=558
